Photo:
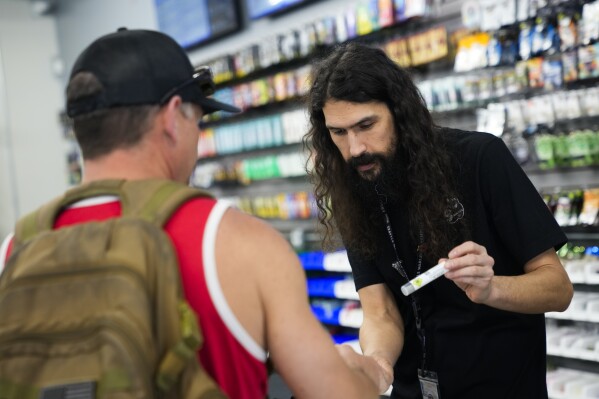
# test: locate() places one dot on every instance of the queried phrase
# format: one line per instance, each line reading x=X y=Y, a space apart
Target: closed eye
x=366 y=126
x=337 y=132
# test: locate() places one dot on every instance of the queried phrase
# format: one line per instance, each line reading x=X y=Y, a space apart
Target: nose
x=356 y=145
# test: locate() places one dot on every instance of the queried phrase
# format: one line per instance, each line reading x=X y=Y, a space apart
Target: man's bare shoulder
x=248 y=233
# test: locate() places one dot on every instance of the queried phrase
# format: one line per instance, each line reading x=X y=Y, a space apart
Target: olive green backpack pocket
x=96 y=310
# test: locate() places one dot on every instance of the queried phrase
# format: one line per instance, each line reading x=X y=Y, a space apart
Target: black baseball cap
x=139 y=67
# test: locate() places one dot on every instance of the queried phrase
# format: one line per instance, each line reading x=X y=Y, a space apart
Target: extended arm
x=302 y=351
x=382 y=331
x=543 y=287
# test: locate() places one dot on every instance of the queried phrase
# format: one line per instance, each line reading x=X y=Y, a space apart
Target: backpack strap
x=154 y=200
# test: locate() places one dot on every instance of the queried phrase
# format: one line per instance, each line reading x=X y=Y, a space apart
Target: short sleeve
x=364 y=271
x=521 y=217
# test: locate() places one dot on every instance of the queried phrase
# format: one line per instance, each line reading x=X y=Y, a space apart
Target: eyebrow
x=365 y=119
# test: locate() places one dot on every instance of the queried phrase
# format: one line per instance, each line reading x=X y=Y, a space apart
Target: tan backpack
x=96 y=310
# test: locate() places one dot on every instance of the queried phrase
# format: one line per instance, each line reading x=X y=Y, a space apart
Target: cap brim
x=210 y=105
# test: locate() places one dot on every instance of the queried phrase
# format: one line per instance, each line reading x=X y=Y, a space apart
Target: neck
x=127 y=164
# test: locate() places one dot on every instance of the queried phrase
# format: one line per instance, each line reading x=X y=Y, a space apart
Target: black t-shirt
x=477 y=351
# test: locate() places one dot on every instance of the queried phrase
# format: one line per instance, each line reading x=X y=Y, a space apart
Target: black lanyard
x=398 y=266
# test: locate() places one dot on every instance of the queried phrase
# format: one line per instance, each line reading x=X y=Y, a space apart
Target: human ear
x=170 y=117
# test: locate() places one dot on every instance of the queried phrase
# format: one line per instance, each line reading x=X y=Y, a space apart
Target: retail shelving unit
x=256 y=158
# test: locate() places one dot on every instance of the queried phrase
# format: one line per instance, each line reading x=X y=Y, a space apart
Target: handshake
x=378 y=369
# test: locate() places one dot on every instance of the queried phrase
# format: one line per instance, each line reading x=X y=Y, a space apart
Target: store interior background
x=36 y=54
x=39 y=45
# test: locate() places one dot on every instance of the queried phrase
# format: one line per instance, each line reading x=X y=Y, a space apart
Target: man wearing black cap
x=135 y=101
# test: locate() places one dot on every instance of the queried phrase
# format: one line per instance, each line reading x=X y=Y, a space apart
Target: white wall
x=32 y=155
x=79 y=22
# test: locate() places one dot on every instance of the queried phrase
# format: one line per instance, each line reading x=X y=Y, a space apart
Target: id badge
x=429 y=384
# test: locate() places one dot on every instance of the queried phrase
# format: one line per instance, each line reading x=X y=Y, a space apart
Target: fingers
x=377 y=369
x=468 y=247
x=348 y=354
x=471 y=269
x=466 y=255
x=386 y=378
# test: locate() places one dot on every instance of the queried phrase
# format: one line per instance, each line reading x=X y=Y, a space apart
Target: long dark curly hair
x=361 y=73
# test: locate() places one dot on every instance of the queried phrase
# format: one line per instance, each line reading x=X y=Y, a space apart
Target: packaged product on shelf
x=563 y=209
x=567 y=23
x=552 y=74
x=302 y=79
x=590 y=208
x=246 y=61
x=260 y=89
x=570 y=65
x=325 y=31
x=222 y=69
x=268 y=52
x=471 y=14
x=291 y=164
x=510 y=81
x=589 y=101
x=416 y=8
x=490 y=19
x=561 y=149
x=399 y=7
x=577 y=198
x=590 y=22
x=288 y=45
x=291 y=85
x=525 y=41
x=591 y=266
x=206 y=143
x=485 y=86
x=518 y=147
x=366 y=17
x=242 y=96
x=350 y=22
x=307 y=40
x=304 y=206
x=514 y=116
x=397 y=50
x=522 y=11
x=535 y=72
x=588 y=61
x=429 y=46
x=538 y=37
x=385 y=13
x=203 y=175
x=544 y=150
x=579 y=148
x=351 y=314
x=521 y=75
x=551 y=40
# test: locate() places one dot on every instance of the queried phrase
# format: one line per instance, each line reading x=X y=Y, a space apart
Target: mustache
x=365 y=159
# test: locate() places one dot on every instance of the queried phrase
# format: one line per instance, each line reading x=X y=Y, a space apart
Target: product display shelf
x=334 y=299
x=573 y=335
x=565 y=383
x=258 y=151
x=564 y=177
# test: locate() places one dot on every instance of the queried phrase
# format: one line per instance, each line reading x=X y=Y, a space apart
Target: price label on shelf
x=345 y=289
x=336 y=262
x=351 y=318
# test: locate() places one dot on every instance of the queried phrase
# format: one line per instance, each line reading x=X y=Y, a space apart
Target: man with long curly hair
x=404 y=194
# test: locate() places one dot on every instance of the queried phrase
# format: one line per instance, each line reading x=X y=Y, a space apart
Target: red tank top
x=229 y=354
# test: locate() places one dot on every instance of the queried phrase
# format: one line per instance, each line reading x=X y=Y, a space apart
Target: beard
x=384 y=182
